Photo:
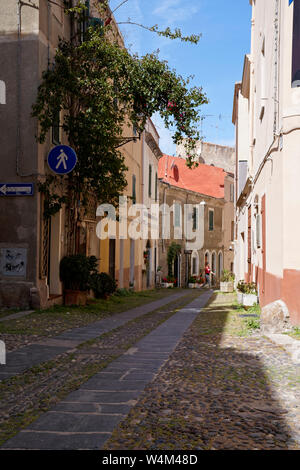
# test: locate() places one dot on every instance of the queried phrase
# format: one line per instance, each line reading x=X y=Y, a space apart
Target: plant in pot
x=250 y=295
x=241 y=290
x=192 y=282
x=103 y=285
x=168 y=282
x=75 y=274
x=226 y=282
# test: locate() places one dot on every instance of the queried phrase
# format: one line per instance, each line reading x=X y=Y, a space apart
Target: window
x=231 y=192
x=210 y=220
x=232 y=230
x=177 y=215
x=133 y=189
x=194 y=218
x=2 y=92
x=150 y=181
x=56 y=129
x=156 y=187
x=258 y=231
x=296 y=46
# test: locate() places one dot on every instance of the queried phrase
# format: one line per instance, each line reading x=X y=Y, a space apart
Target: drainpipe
x=276 y=65
x=20 y=4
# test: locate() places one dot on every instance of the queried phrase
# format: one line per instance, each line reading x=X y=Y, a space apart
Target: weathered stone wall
x=212 y=154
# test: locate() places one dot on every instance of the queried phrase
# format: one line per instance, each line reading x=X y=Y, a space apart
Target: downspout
x=143 y=198
x=276 y=62
x=20 y=4
x=19 y=19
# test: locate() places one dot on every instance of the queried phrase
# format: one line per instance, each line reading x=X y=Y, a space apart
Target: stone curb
x=290 y=345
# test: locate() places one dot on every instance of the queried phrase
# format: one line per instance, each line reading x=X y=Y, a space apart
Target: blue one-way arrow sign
x=16 y=189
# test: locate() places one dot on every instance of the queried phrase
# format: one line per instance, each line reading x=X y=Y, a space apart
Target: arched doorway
x=220 y=264
x=213 y=268
x=195 y=264
x=177 y=270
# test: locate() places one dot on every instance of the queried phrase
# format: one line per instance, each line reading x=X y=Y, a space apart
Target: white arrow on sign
x=19 y=189
x=15 y=189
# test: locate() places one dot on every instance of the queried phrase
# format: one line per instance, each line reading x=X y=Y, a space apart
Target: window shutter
x=177 y=210
x=211 y=220
x=150 y=180
x=258 y=231
x=133 y=189
x=195 y=222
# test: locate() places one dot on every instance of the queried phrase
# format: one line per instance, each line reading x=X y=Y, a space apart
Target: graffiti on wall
x=13 y=261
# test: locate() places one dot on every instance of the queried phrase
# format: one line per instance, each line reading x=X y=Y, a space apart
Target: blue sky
x=216 y=62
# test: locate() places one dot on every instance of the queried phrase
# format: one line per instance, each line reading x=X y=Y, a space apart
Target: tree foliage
x=101 y=92
x=173 y=251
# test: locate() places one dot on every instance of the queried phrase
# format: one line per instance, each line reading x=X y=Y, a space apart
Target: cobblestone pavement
x=45 y=349
x=26 y=396
x=21 y=329
x=218 y=390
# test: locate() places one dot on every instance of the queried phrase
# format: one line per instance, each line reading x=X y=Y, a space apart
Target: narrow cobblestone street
x=218 y=390
x=222 y=387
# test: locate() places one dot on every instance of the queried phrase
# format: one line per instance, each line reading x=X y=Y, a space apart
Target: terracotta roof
x=205 y=179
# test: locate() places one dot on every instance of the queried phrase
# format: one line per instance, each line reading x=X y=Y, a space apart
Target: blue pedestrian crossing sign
x=62 y=159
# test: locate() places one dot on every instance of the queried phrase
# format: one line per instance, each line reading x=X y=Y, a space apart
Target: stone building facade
x=210 y=193
x=266 y=115
x=30 y=246
x=217 y=155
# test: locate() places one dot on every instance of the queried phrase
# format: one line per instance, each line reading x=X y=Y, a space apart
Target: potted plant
x=250 y=295
x=168 y=282
x=75 y=274
x=103 y=285
x=192 y=282
x=226 y=282
x=241 y=289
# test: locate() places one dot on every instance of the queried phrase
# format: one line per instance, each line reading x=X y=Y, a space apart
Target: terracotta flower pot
x=75 y=297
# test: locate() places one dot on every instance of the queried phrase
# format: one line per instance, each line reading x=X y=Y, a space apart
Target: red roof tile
x=204 y=179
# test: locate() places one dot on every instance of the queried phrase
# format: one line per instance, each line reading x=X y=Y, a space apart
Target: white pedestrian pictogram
x=62 y=158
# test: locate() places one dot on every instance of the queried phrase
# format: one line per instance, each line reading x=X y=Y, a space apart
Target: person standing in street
x=208 y=272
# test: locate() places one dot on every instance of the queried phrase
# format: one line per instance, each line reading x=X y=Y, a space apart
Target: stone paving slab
x=291 y=345
x=15 y=316
x=103 y=401
x=63 y=441
x=72 y=422
x=36 y=353
x=219 y=390
x=70 y=407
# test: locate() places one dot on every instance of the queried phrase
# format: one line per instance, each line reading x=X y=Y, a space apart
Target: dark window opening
x=211 y=221
x=133 y=189
x=150 y=181
x=296 y=46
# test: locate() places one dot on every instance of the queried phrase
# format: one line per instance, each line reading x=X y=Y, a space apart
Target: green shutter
x=211 y=221
x=133 y=189
x=194 y=218
x=150 y=180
